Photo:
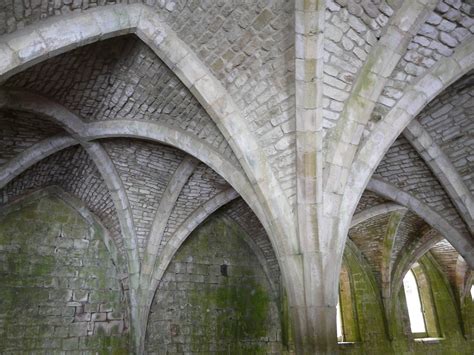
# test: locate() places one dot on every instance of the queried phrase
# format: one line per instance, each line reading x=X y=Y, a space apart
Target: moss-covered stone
x=370 y=317
x=215 y=298
x=49 y=254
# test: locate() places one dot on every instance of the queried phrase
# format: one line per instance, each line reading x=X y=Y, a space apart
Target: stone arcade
x=236 y=176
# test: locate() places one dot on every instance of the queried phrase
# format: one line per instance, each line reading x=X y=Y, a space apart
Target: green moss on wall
x=55 y=279
x=374 y=337
x=215 y=298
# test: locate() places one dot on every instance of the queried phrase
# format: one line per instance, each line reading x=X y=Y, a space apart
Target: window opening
x=340 y=334
x=415 y=310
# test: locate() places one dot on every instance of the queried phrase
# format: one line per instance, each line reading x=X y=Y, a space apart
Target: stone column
x=313 y=307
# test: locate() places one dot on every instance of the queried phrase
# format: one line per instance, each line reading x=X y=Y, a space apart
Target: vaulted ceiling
x=158 y=191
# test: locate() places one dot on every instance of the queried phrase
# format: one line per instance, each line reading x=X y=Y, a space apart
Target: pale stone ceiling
x=250 y=51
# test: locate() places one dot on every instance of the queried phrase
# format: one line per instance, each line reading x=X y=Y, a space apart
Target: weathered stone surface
x=20 y=130
x=51 y=289
x=291 y=87
x=214 y=297
x=403 y=167
x=72 y=170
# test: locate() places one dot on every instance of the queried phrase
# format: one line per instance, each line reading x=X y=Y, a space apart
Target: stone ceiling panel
x=73 y=171
x=145 y=169
x=369 y=236
x=450 y=121
x=352 y=29
x=241 y=213
x=202 y=186
x=121 y=78
x=21 y=130
x=447 y=258
x=369 y=199
x=412 y=228
x=404 y=168
x=249 y=47
x=450 y=25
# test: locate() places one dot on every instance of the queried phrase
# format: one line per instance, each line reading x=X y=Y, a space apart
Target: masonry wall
x=59 y=289
x=215 y=297
x=373 y=326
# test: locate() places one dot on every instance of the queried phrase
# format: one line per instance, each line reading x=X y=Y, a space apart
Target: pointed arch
x=75 y=204
x=443 y=169
x=38 y=42
x=462 y=243
x=415 y=98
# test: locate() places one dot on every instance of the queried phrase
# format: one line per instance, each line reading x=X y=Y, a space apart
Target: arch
x=462 y=243
x=75 y=204
x=172 y=246
x=443 y=169
x=162 y=133
x=33 y=155
x=353 y=256
x=49 y=38
x=167 y=203
x=378 y=67
x=387 y=251
x=409 y=258
x=194 y=220
x=33 y=103
x=375 y=211
x=84 y=132
x=415 y=98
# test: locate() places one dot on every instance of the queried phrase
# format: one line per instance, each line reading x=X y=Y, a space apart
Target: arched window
x=420 y=304
x=415 y=310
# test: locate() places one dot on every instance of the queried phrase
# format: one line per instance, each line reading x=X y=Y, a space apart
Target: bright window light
x=417 y=322
x=472 y=292
x=339 y=323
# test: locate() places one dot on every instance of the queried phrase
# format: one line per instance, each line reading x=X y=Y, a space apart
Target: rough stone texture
x=412 y=229
x=368 y=313
x=446 y=28
x=249 y=47
x=21 y=130
x=352 y=29
x=18 y=14
x=145 y=169
x=450 y=121
x=72 y=170
x=200 y=307
x=369 y=236
x=60 y=290
x=202 y=185
x=404 y=168
x=369 y=199
x=121 y=78
x=241 y=213
x=447 y=258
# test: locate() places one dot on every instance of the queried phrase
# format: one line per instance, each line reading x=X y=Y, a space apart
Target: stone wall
x=374 y=328
x=59 y=287
x=214 y=297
